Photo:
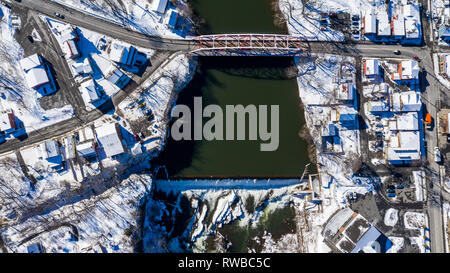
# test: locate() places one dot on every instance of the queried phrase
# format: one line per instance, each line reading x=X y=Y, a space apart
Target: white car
x=437 y=155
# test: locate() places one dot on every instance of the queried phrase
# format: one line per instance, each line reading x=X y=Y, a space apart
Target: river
x=241 y=80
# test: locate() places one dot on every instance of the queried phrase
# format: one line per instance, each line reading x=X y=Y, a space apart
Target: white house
x=398 y=26
x=122 y=54
x=50 y=151
x=378 y=106
x=109 y=138
x=345 y=91
x=404 y=147
x=159 y=6
x=371 y=67
x=410 y=70
x=405 y=122
x=70 y=49
x=35 y=72
x=370 y=23
x=110 y=71
x=406 y=102
x=8 y=122
x=384 y=26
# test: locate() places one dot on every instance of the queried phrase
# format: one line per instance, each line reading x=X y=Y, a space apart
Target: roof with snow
x=404 y=146
x=346 y=91
x=370 y=23
x=398 y=26
x=159 y=6
x=371 y=67
x=378 y=106
x=406 y=102
x=86 y=149
x=7 y=121
x=30 y=62
x=410 y=69
x=405 y=122
x=384 y=26
x=122 y=54
x=109 y=140
x=70 y=49
x=373 y=241
x=36 y=77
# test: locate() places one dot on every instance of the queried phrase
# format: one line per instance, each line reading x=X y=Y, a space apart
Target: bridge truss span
x=248 y=45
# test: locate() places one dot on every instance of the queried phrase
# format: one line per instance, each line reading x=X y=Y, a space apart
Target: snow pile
x=14 y=93
x=391 y=217
x=414 y=220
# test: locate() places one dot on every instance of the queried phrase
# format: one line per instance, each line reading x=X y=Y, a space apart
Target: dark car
x=392 y=195
x=59 y=15
x=30 y=39
x=400 y=187
x=355 y=18
x=397 y=52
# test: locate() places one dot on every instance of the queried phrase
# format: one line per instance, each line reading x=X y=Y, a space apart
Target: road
x=430 y=95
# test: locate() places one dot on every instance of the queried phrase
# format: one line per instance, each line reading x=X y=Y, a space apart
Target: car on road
x=416 y=58
x=59 y=15
x=437 y=155
x=448 y=138
x=397 y=52
x=391 y=195
x=30 y=39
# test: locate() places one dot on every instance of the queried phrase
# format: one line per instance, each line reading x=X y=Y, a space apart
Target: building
x=409 y=70
x=370 y=23
x=159 y=6
x=345 y=92
x=406 y=102
x=384 y=26
x=412 y=29
x=171 y=20
x=405 y=122
x=8 y=123
x=371 y=67
x=91 y=92
x=70 y=49
x=122 y=54
x=110 y=139
x=349 y=121
x=87 y=150
x=403 y=147
x=378 y=106
x=36 y=73
x=398 y=26
x=111 y=72
x=349 y=232
x=50 y=152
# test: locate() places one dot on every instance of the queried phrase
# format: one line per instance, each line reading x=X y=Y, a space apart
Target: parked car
x=400 y=187
x=437 y=155
x=448 y=138
x=30 y=39
x=391 y=195
x=397 y=52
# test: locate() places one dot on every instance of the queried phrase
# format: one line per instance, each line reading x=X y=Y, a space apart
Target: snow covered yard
x=15 y=95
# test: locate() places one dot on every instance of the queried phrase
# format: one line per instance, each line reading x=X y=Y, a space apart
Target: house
x=171 y=20
x=406 y=102
x=412 y=29
x=8 y=122
x=404 y=147
x=122 y=54
x=405 y=122
x=370 y=23
x=378 y=106
x=70 y=49
x=371 y=67
x=349 y=121
x=346 y=91
x=50 y=152
x=36 y=73
x=91 y=92
x=83 y=68
x=398 y=26
x=110 y=72
x=159 y=6
x=409 y=70
x=384 y=26
x=87 y=150
x=110 y=139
